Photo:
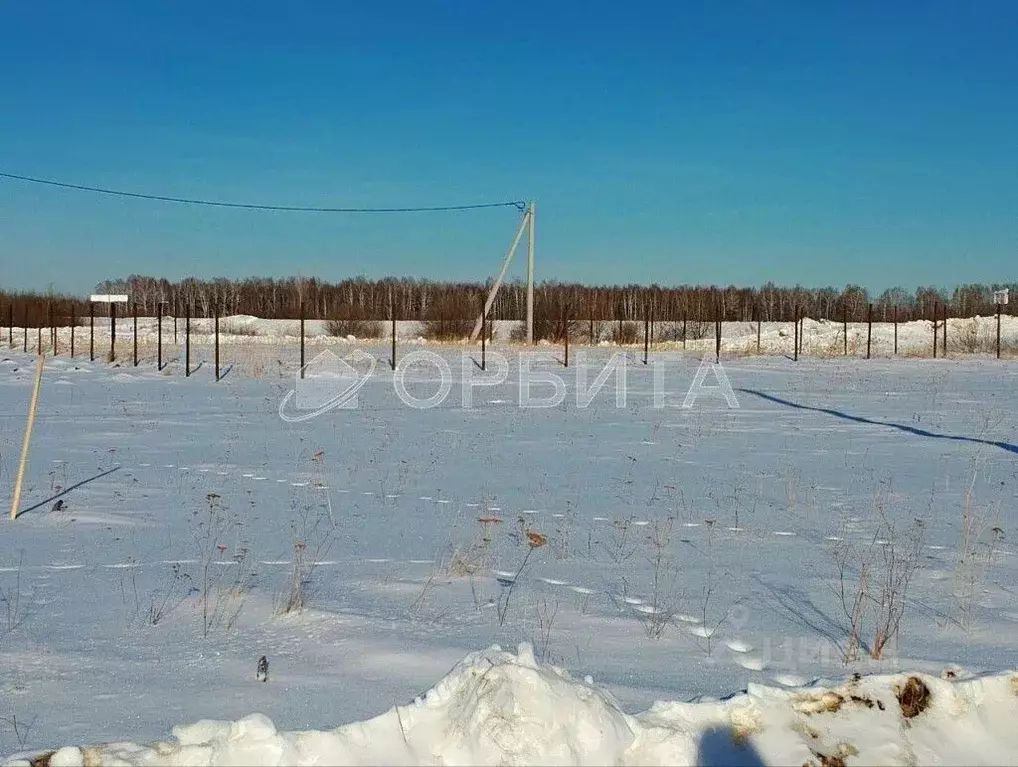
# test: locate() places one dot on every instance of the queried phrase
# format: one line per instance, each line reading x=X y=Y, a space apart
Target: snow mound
x=496 y=707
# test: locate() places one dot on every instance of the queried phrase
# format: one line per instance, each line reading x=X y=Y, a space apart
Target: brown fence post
x=392 y=315
x=301 y=339
x=217 y=342
x=717 y=336
x=113 y=331
x=187 y=340
x=134 y=312
x=795 y=334
x=869 y=329
x=646 y=336
x=934 y=331
x=756 y=311
x=944 y=331
x=10 y=326
x=844 y=326
x=565 y=330
x=39 y=340
x=896 y=330
x=159 y=336
x=74 y=324
x=52 y=327
x=998 y=331
x=683 y=332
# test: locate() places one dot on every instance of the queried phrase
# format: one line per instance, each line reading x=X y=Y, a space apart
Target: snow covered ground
x=674 y=554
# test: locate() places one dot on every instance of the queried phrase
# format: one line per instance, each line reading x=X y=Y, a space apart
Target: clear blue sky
x=664 y=142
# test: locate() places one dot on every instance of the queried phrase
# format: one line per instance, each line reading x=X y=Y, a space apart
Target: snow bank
x=495 y=707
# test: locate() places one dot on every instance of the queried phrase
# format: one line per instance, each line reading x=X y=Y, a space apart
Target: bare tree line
x=428 y=300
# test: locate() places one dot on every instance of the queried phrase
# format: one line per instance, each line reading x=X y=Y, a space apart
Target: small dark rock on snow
x=262 y=673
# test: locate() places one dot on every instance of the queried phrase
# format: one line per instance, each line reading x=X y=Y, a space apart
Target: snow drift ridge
x=495 y=707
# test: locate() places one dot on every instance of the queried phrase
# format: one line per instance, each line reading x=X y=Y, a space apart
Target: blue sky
x=736 y=142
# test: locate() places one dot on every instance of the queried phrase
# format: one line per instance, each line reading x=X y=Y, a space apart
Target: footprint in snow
x=752 y=664
x=581 y=590
x=737 y=645
x=701 y=631
x=553 y=582
x=783 y=533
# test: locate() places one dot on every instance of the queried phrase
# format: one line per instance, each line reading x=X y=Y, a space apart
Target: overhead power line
x=518 y=204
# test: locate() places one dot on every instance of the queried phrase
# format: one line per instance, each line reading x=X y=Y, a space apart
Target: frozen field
x=668 y=553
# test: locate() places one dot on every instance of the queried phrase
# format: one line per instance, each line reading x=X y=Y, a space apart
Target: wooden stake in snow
x=112 y=300
x=844 y=325
x=217 y=343
x=159 y=335
x=187 y=342
x=484 y=327
x=756 y=311
x=795 y=334
x=134 y=312
x=896 y=329
x=869 y=329
x=392 y=312
x=943 y=315
x=565 y=331
x=999 y=298
x=16 y=500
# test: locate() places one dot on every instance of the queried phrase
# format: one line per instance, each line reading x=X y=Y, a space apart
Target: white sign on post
x=107 y=298
x=1000 y=296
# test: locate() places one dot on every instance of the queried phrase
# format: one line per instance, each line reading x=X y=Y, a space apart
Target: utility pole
x=530 y=273
x=526 y=224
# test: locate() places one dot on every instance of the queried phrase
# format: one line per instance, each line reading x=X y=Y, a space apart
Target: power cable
x=518 y=204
